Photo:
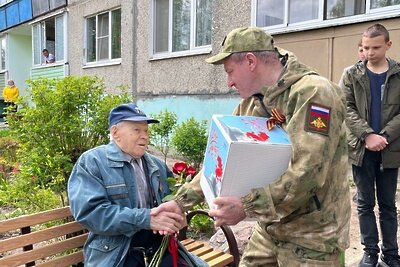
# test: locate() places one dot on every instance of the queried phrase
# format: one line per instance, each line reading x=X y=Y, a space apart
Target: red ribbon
x=276 y=118
x=173 y=249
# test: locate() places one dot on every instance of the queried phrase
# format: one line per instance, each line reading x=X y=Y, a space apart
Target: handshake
x=168 y=218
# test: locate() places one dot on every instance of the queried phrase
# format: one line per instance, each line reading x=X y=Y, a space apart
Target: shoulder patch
x=318 y=119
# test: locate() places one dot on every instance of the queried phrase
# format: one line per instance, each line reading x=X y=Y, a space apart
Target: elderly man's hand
x=230 y=211
x=167 y=218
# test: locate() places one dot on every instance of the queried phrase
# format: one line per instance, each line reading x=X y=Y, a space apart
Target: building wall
x=187 y=85
x=330 y=50
x=113 y=75
x=19 y=56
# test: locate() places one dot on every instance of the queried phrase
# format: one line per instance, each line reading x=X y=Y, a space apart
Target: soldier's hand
x=230 y=211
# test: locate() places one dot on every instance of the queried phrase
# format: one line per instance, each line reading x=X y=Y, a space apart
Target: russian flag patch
x=318 y=119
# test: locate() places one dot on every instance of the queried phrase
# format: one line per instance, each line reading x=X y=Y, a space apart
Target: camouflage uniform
x=303 y=217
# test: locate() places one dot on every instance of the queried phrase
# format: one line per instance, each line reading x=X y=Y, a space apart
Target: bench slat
x=64 y=261
x=195 y=245
x=221 y=261
x=29 y=220
x=43 y=252
x=39 y=236
x=212 y=255
x=201 y=251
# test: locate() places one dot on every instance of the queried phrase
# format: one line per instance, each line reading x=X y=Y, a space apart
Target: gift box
x=242 y=154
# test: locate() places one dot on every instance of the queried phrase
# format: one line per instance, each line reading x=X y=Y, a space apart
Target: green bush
x=190 y=141
x=55 y=124
x=161 y=133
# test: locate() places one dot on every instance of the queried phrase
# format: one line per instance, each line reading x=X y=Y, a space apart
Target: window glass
x=103 y=36
x=39 y=7
x=383 y=3
x=116 y=34
x=37 y=43
x=181 y=25
x=303 y=10
x=59 y=53
x=270 y=12
x=57 y=3
x=344 y=8
x=3 y=53
x=161 y=25
x=91 y=39
x=203 y=22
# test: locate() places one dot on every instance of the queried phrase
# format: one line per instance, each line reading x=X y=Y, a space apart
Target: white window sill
x=101 y=64
x=167 y=55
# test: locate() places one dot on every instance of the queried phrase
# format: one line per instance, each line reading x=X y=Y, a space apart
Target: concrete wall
x=114 y=75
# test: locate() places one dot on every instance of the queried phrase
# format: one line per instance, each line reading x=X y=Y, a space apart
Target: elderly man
x=115 y=191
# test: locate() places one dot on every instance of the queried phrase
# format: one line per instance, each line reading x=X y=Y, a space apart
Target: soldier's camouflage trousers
x=262 y=251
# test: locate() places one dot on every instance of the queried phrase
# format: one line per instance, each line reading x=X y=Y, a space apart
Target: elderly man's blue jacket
x=102 y=196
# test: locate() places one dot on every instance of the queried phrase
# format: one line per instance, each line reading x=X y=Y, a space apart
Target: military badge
x=318 y=119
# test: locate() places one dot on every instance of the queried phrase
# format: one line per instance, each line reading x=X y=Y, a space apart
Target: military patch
x=318 y=119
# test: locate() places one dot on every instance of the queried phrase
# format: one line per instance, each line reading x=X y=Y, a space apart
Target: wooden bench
x=31 y=240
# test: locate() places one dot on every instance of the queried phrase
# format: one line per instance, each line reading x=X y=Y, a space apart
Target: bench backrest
x=31 y=241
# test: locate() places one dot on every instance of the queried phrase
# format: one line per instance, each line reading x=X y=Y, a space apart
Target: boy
x=373 y=119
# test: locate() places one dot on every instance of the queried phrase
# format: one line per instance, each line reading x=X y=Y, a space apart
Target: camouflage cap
x=245 y=39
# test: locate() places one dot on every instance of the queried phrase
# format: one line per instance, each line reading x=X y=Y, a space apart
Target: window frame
x=193 y=49
x=3 y=38
x=109 y=60
x=42 y=39
x=370 y=14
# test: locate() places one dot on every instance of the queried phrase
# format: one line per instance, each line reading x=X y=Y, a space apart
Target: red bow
x=276 y=118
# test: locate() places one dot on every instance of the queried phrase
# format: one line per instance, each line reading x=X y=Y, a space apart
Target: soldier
x=303 y=217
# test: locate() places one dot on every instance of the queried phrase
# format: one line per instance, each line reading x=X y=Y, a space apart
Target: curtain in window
x=203 y=22
x=103 y=35
x=181 y=25
x=116 y=33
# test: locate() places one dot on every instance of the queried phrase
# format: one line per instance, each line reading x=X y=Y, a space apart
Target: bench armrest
x=230 y=237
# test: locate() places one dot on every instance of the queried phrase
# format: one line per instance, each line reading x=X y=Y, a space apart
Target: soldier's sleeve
x=316 y=112
x=190 y=193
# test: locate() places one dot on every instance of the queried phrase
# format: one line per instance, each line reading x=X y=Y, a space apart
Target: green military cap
x=245 y=39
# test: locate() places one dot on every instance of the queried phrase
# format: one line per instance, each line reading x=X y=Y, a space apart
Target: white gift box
x=242 y=154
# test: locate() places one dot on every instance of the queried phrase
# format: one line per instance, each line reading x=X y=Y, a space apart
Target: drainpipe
x=134 y=48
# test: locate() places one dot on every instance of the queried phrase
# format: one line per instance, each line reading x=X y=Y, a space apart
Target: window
x=103 y=36
x=281 y=14
x=49 y=34
x=341 y=8
x=3 y=53
x=181 y=25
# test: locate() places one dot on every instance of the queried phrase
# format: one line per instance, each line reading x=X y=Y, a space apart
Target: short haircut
x=377 y=30
x=265 y=56
x=45 y=50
